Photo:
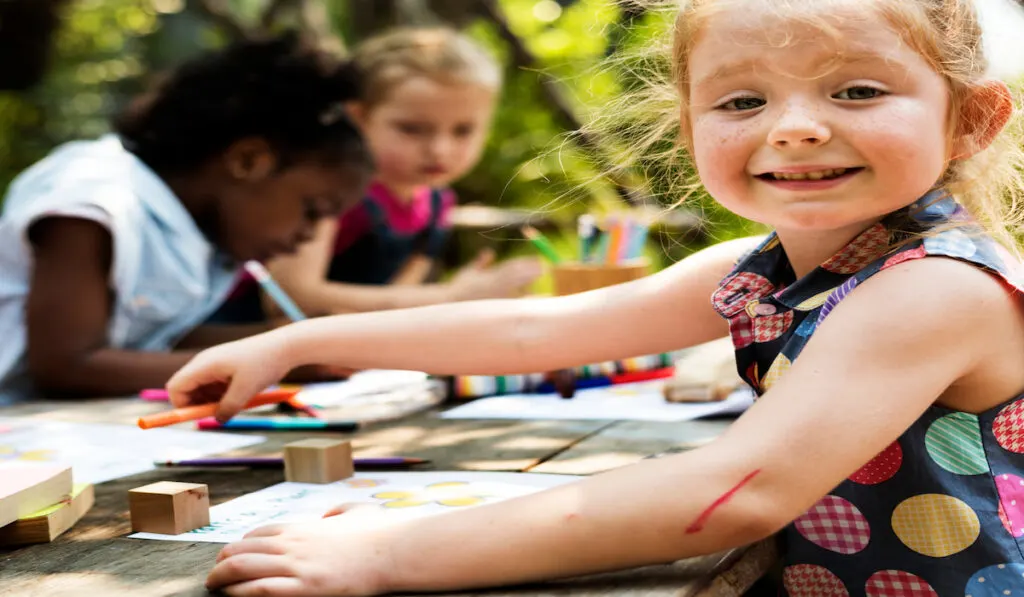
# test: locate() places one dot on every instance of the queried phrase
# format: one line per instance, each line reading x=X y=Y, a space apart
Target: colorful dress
x=377 y=237
x=940 y=512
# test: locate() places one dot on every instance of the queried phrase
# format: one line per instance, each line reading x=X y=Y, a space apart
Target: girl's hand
x=231 y=373
x=344 y=555
x=482 y=280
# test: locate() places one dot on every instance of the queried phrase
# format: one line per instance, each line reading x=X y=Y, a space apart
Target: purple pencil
x=258 y=462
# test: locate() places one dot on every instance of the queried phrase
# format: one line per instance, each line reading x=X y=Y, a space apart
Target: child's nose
x=441 y=146
x=799 y=125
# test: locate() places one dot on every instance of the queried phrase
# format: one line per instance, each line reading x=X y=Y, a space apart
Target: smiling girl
x=880 y=323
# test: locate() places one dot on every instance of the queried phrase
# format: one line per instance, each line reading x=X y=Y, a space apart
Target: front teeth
x=819 y=175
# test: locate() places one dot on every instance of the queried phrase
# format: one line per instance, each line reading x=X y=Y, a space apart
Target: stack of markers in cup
x=621 y=239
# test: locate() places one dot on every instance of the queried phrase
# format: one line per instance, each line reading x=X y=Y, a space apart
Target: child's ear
x=357 y=113
x=986 y=110
x=250 y=159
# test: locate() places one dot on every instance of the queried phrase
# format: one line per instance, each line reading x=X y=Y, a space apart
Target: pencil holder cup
x=570 y=278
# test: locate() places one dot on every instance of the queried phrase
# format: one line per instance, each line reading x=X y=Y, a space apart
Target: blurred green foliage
x=106 y=48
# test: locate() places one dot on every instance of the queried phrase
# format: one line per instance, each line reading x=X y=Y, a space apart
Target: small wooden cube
x=318 y=461
x=169 y=508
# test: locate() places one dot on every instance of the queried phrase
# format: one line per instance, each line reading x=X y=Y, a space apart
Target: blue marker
x=262 y=276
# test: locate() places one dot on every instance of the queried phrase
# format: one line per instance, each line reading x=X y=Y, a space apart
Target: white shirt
x=166 y=276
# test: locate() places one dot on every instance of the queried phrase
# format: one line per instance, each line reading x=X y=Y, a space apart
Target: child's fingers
x=267 y=545
x=248 y=566
x=346 y=508
x=184 y=386
x=277 y=586
x=235 y=398
x=484 y=258
x=269 y=530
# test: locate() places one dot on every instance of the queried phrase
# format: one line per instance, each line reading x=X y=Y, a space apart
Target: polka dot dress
x=940 y=511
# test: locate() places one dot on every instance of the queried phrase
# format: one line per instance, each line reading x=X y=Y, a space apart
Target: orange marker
x=192 y=413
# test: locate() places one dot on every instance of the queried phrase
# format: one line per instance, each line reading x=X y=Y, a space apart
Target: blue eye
x=859 y=92
x=743 y=104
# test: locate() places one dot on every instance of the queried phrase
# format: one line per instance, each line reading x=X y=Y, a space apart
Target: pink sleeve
x=352 y=224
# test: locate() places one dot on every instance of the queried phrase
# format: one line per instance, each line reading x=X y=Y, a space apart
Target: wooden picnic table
x=96 y=557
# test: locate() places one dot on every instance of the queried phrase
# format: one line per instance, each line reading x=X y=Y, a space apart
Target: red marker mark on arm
x=698 y=525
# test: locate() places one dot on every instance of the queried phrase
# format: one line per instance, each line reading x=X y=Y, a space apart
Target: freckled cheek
x=903 y=148
x=721 y=160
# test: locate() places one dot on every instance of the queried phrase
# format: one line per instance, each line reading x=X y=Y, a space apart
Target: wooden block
x=705 y=373
x=27 y=489
x=46 y=525
x=318 y=461
x=169 y=508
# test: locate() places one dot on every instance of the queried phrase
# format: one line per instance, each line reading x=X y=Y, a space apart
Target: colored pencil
x=278 y=424
x=602 y=381
x=155 y=395
x=271 y=462
x=603 y=239
x=541 y=243
x=585 y=227
x=295 y=405
x=615 y=241
x=192 y=413
x=262 y=276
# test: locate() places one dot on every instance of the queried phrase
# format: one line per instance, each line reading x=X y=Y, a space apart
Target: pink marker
x=156 y=395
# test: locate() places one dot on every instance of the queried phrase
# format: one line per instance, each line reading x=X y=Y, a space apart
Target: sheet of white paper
x=406 y=495
x=361 y=384
x=642 y=401
x=98 y=452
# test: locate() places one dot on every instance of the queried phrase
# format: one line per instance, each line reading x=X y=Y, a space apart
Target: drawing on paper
x=453 y=494
x=101 y=452
x=10 y=453
x=402 y=495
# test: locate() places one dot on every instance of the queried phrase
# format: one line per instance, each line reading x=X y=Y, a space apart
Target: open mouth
x=816 y=175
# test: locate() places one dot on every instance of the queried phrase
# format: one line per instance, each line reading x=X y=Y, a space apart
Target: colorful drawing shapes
x=12 y=453
x=951 y=242
x=736 y=291
x=1008 y=427
x=1001 y=580
x=835 y=524
x=880 y=468
x=1011 y=503
x=357 y=482
x=454 y=494
x=935 y=525
x=815 y=301
x=835 y=298
x=899 y=258
x=807 y=580
x=771 y=327
x=779 y=368
x=954 y=443
x=870 y=245
x=896 y=583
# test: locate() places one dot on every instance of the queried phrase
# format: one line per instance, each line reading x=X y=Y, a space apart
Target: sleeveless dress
x=378 y=254
x=939 y=512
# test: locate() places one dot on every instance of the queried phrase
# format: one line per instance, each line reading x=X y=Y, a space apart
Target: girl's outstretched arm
x=665 y=311
x=885 y=354
x=304 y=277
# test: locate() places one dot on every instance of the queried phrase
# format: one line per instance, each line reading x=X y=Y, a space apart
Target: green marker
x=541 y=243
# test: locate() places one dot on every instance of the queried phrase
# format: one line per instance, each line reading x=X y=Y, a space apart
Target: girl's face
x=426 y=133
x=265 y=211
x=805 y=132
